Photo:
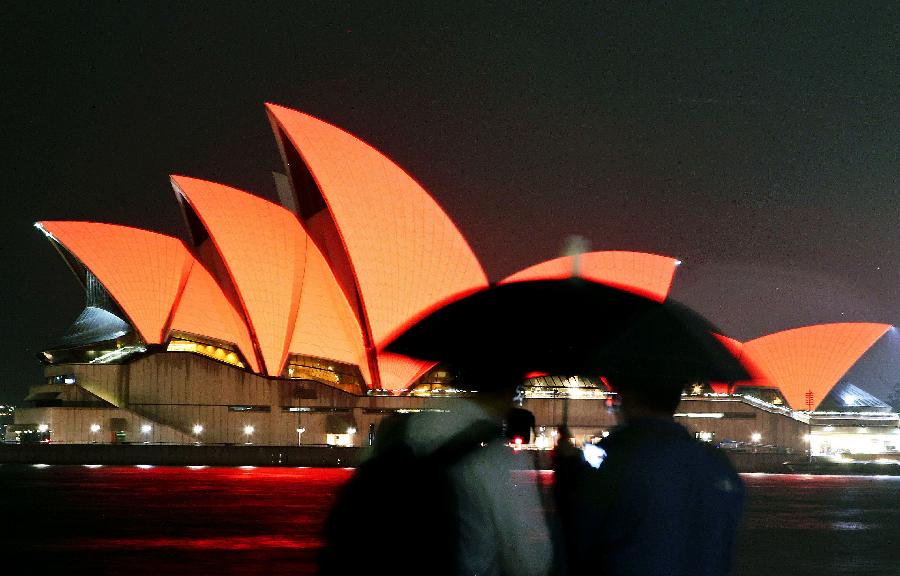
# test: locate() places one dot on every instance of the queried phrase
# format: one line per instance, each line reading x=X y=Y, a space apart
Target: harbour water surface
x=197 y=521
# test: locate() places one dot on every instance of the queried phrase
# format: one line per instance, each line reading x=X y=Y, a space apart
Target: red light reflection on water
x=166 y=520
x=171 y=520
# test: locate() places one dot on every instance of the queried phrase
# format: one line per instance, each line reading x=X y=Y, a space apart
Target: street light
x=145 y=430
x=300 y=432
x=350 y=432
x=198 y=429
x=248 y=432
x=94 y=429
x=756 y=437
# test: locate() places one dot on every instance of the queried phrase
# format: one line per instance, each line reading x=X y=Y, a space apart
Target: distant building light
x=43 y=428
x=146 y=429
x=351 y=430
x=249 y=430
x=95 y=428
x=755 y=437
x=850 y=399
x=198 y=428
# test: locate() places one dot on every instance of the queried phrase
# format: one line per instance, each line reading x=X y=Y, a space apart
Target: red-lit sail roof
x=649 y=275
x=737 y=349
x=204 y=310
x=143 y=271
x=326 y=326
x=362 y=254
x=405 y=253
x=399 y=372
x=812 y=358
x=263 y=248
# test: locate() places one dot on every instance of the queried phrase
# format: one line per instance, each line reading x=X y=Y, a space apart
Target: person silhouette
x=449 y=478
x=648 y=499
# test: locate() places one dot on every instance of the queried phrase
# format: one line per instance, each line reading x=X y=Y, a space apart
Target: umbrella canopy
x=571 y=326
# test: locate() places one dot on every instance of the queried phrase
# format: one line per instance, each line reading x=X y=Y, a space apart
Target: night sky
x=758 y=143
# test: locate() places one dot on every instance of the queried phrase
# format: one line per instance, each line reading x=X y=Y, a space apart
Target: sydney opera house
x=268 y=325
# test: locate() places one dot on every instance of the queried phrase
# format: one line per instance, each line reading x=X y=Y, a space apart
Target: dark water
x=803 y=525
x=133 y=521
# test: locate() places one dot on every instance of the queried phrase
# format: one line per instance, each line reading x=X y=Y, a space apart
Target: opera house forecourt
x=268 y=326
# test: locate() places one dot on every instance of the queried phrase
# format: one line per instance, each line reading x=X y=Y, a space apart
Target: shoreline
x=316 y=456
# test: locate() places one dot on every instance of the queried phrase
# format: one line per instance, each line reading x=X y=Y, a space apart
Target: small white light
x=756 y=437
x=593 y=455
x=43 y=428
x=146 y=429
x=301 y=430
x=351 y=430
x=95 y=428
x=249 y=430
x=678 y=262
x=198 y=428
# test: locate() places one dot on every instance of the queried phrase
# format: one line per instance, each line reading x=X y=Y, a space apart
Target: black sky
x=757 y=142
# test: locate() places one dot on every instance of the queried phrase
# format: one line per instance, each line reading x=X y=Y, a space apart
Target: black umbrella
x=571 y=326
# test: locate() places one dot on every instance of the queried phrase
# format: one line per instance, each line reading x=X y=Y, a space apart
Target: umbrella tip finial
x=575 y=247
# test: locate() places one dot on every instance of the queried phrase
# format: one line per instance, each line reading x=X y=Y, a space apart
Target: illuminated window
x=326 y=371
x=208 y=349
